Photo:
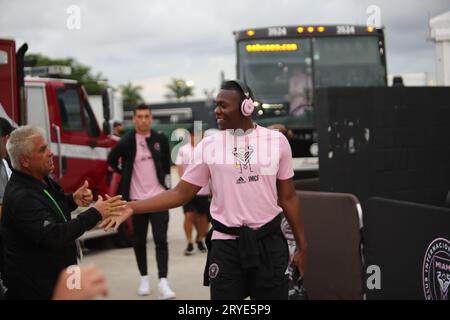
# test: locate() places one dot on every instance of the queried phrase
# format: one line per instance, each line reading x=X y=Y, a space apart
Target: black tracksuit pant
x=160 y=222
x=230 y=281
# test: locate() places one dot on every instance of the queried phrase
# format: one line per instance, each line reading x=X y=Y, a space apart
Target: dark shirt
x=39 y=240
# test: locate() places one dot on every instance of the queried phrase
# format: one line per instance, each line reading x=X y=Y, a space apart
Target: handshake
x=113 y=210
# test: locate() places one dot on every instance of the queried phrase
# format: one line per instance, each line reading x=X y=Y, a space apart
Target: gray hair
x=19 y=143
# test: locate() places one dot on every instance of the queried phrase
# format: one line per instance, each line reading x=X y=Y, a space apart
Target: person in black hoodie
x=38 y=232
x=144 y=158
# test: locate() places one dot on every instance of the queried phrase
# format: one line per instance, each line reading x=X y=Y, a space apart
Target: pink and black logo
x=243 y=156
x=213 y=270
x=436 y=270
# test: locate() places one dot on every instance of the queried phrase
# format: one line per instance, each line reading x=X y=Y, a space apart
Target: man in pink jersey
x=142 y=157
x=196 y=211
x=250 y=168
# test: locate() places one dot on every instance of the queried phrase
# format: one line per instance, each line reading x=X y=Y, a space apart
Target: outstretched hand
x=83 y=196
x=113 y=222
x=112 y=206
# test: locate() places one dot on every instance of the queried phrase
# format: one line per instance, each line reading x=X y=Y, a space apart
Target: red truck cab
x=62 y=109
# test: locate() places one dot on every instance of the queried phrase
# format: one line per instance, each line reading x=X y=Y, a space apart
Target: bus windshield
x=268 y=73
x=348 y=62
x=284 y=72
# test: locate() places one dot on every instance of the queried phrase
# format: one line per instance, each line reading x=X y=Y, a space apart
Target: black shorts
x=199 y=204
x=229 y=281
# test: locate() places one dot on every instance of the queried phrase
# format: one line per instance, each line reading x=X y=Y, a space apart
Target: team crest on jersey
x=243 y=156
x=157 y=146
x=213 y=270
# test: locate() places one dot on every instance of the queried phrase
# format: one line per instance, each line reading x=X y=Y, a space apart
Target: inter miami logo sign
x=436 y=270
x=243 y=156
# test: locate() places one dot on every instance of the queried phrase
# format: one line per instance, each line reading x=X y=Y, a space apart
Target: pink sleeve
x=197 y=172
x=285 y=170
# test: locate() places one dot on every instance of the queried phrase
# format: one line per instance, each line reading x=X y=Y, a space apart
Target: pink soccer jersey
x=185 y=156
x=244 y=170
x=144 y=181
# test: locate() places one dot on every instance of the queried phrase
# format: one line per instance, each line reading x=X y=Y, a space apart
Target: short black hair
x=116 y=124
x=5 y=127
x=141 y=106
x=234 y=86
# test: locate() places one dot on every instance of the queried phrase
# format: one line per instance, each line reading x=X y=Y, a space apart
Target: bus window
x=268 y=65
x=348 y=62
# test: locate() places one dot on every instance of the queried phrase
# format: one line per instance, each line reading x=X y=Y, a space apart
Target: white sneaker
x=144 y=286
x=164 y=290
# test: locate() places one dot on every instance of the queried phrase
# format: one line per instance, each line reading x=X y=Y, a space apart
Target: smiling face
x=227 y=109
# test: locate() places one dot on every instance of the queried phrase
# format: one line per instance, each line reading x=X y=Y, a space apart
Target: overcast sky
x=149 y=42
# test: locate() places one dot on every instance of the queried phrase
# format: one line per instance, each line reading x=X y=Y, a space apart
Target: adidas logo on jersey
x=240 y=180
